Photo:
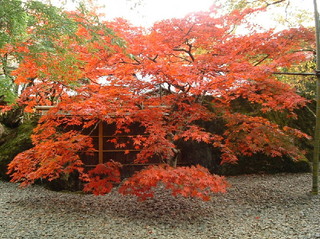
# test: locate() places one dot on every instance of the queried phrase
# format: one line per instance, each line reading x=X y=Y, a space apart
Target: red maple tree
x=168 y=79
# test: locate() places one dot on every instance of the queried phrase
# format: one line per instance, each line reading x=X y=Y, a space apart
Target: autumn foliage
x=102 y=178
x=194 y=181
x=168 y=78
x=50 y=159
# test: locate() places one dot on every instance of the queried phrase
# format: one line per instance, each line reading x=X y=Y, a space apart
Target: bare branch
x=311 y=111
x=273 y=3
x=261 y=60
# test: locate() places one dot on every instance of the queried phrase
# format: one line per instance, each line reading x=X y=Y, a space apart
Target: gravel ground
x=256 y=206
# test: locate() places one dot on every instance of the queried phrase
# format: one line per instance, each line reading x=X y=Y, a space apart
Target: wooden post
x=100 y=151
x=316 y=151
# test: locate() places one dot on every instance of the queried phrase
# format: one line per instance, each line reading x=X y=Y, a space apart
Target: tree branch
x=311 y=111
x=261 y=60
x=273 y=3
x=154 y=59
x=183 y=58
x=295 y=73
x=186 y=51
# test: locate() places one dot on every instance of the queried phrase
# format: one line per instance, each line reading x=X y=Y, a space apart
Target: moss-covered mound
x=263 y=164
x=14 y=141
x=205 y=155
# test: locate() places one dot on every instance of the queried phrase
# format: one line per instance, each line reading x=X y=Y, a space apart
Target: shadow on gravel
x=163 y=208
x=247 y=192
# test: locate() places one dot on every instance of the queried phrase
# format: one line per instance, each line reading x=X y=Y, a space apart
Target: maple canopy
x=169 y=79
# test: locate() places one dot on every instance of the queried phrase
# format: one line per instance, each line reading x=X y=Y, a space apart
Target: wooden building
x=101 y=135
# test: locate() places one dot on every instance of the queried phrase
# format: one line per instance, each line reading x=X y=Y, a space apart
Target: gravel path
x=256 y=206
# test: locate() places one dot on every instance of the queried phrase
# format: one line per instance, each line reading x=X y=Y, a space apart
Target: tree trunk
x=316 y=152
x=174 y=159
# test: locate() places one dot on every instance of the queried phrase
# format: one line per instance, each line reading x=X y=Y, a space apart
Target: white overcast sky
x=151 y=11
x=155 y=10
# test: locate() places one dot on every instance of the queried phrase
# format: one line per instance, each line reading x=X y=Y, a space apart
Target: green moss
x=16 y=141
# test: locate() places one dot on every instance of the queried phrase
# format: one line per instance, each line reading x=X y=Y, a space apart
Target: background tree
x=27 y=27
x=31 y=30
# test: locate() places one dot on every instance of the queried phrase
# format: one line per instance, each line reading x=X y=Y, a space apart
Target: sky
x=150 y=11
x=155 y=10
